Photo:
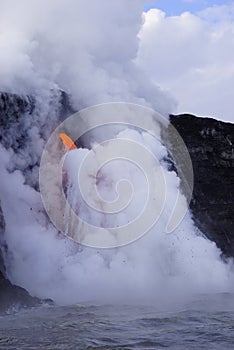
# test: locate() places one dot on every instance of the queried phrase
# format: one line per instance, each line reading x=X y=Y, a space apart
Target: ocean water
x=207 y=322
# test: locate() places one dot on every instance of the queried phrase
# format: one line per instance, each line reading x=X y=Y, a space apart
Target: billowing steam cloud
x=85 y=48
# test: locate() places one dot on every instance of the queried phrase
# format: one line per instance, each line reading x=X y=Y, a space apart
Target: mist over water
x=48 y=55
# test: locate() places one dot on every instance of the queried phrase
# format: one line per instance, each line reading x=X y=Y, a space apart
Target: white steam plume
x=85 y=48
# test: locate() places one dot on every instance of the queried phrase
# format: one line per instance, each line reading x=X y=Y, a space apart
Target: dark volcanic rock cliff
x=211 y=146
x=23 y=127
x=11 y=295
x=2 y=227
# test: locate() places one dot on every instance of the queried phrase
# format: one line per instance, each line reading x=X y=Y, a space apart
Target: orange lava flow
x=67 y=142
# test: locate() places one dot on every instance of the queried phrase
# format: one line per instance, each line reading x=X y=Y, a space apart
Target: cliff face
x=211 y=146
x=2 y=227
x=24 y=130
x=11 y=294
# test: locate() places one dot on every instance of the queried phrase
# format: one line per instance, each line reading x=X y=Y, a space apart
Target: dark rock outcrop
x=11 y=295
x=14 y=297
x=24 y=127
x=2 y=227
x=211 y=147
x=23 y=122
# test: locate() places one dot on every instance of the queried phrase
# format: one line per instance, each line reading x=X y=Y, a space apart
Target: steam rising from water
x=154 y=268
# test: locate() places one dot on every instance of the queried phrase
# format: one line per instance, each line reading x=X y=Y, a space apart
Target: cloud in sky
x=193 y=56
x=176 y=7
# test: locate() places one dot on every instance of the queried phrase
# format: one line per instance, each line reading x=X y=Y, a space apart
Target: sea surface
x=207 y=322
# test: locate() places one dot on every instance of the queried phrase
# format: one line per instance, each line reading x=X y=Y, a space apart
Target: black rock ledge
x=210 y=143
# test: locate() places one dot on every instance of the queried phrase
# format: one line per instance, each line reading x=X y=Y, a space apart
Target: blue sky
x=176 y=7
